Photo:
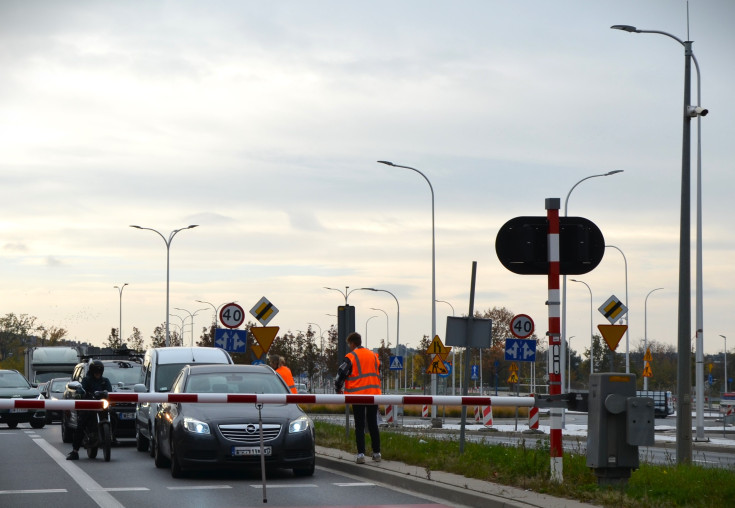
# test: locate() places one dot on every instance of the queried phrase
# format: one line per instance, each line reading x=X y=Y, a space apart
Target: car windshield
x=13 y=380
x=251 y=382
x=127 y=373
x=166 y=374
x=58 y=385
x=42 y=377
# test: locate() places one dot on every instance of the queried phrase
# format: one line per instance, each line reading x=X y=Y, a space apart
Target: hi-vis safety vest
x=365 y=376
x=286 y=375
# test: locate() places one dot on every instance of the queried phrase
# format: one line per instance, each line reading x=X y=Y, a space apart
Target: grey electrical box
x=618 y=423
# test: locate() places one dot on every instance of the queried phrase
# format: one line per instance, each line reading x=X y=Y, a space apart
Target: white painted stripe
x=119 y=489
x=356 y=484
x=93 y=489
x=553 y=248
x=270 y=486
x=34 y=491
x=200 y=487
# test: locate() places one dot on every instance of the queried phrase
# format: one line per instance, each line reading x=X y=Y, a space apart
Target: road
x=34 y=472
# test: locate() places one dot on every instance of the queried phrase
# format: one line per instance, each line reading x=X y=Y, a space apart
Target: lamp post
x=398 y=317
x=684 y=409
x=725 y=361
x=564 y=277
x=627 y=314
x=592 y=339
x=366 y=328
x=182 y=328
x=192 y=323
x=347 y=292
x=120 y=290
x=454 y=384
x=387 y=324
x=645 y=330
x=168 y=264
x=433 y=271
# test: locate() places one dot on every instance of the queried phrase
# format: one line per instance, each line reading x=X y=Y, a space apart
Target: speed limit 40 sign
x=521 y=326
x=231 y=315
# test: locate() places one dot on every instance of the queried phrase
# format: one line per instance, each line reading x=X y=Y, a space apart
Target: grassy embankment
x=527 y=467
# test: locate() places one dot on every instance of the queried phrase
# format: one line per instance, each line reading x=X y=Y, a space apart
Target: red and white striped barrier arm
x=260 y=398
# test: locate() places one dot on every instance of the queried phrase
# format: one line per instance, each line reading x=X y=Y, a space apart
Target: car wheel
x=158 y=459
x=141 y=443
x=152 y=441
x=176 y=470
x=12 y=425
x=38 y=423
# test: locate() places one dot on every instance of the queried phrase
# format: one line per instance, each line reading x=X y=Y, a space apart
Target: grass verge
x=527 y=466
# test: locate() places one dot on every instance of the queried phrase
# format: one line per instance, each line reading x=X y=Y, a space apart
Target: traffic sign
x=520 y=350
x=522 y=245
x=436 y=366
x=521 y=326
x=475 y=372
x=613 y=309
x=396 y=363
x=448 y=365
x=647 y=372
x=513 y=367
x=264 y=335
x=612 y=334
x=437 y=348
x=231 y=315
x=648 y=357
x=234 y=341
x=513 y=378
x=264 y=311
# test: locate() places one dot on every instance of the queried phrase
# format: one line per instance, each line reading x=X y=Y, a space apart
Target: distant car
x=54 y=390
x=14 y=386
x=123 y=374
x=200 y=436
x=301 y=388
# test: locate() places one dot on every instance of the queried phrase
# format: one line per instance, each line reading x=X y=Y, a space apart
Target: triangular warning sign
x=612 y=334
x=647 y=372
x=257 y=350
x=513 y=378
x=264 y=335
x=436 y=366
x=438 y=348
x=648 y=357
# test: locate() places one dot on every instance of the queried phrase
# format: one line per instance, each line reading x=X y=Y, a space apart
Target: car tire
x=141 y=443
x=158 y=459
x=176 y=470
x=12 y=425
x=38 y=423
x=152 y=441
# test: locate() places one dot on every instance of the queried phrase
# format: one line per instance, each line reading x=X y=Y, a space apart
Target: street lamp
x=433 y=271
x=454 y=383
x=366 y=328
x=398 y=318
x=725 y=361
x=192 y=323
x=346 y=293
x=684 y=376
x=168 y=264
x=564 y=277
x=182 y=327
x=387 y=324
x=592 y=339
x=120 y=290
x=645 y=331
x=627 y=314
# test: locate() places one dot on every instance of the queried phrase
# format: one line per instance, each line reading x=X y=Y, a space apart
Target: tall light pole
x=366 y=328
x=433 y=271
x=192 y=323
x=182 y=327
x=564 y=277
x=645 y=330
x=592 y=338
x=168 y=264
x=387 y=324
x=725 y=361
x=398 y=316
x=120 y=290
x=684 y=377
x=454 y=384
x=347 y=292
x=627 y=314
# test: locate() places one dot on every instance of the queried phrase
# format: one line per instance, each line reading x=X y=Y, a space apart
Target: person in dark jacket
x=94 y=381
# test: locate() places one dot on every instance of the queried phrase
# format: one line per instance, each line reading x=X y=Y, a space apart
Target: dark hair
x=354 y=338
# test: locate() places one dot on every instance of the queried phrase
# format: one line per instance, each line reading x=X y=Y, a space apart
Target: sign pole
x=467 y=357
x=553 y=301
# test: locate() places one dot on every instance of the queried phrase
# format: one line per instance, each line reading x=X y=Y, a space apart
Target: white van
x=160 y=368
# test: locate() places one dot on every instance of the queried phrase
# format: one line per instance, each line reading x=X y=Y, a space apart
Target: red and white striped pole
x=553 y=301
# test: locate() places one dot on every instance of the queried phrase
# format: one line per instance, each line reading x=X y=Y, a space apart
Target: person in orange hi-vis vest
x=279 y=365
x=359 y=373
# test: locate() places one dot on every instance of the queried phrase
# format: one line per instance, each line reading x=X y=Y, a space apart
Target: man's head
x=97 y=368
x=274 y=361
x=354 y=340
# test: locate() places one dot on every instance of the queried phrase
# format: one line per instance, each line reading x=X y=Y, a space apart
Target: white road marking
x=355 y=484
x=34 y=491
x=199 y=487
x=270 y=486
x=93 y=489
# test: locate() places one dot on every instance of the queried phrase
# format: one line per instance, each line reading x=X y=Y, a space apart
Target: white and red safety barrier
x=487 y=416
x=425 y=411
x=389 y=414
x=477 y=414
x=533 y=418
x=265 y=398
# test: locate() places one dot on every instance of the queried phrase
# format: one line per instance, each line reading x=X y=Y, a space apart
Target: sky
x=262 y=123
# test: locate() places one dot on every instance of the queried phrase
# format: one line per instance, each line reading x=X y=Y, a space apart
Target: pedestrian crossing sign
x=396 y=363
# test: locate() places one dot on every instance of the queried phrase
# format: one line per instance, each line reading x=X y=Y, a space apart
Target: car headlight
x=300 y=424
x=196 y=426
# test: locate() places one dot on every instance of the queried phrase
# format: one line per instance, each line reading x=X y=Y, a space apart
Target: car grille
x=250 y=432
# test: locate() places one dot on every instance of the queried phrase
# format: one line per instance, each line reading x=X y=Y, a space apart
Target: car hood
x=239 y=411
x=19 y=393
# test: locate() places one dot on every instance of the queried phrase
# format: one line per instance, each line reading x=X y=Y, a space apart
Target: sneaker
x=360 y=458
x=377 y=457
x=73 y=455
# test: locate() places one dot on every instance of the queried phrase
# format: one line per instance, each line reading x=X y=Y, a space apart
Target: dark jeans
x=367 y=414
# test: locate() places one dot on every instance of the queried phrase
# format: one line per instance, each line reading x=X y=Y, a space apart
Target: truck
x=663 y=401
x=45 y=363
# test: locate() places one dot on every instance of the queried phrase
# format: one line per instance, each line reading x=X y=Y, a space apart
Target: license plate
x=239 y=451
x=18 y=410
x=126 y=416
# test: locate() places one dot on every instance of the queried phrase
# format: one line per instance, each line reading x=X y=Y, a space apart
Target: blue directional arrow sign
x=475 y=372
x=520 y=350
x=233 y=341
x=396 y=363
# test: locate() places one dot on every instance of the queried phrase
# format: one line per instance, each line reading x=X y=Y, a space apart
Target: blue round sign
x=449 y=370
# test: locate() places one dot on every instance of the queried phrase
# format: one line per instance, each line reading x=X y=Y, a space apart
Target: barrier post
x=553 y=302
